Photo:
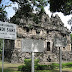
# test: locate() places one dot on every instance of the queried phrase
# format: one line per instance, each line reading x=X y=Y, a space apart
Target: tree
x=2 y=18
x=0 y=1
x=39 y=4
x=64 y=6
x=2 y=12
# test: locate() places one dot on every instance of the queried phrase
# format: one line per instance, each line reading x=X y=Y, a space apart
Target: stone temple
x=45 y=30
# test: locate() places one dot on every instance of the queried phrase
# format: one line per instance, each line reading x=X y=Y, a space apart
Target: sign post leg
x=3 y=57
x=32 y=62
x=60 y=60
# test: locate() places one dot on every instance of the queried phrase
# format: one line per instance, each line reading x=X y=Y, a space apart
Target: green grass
x=46 y=71
x=8 y=67
x=8 y=70
x=0 y=62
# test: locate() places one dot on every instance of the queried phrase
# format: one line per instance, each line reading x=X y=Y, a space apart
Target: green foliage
x=21 y=67
x=54 y=65
x=66 y=65
x=71 y=39
x=28 y=6
x=44 y=67
x=8 y=70
x=27 y=65
x=46 y=71
x=71 y=36
x=2 y=13
x=64 y=6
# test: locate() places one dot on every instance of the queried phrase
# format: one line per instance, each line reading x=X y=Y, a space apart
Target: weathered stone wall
x=46 y=56
x=46 y=30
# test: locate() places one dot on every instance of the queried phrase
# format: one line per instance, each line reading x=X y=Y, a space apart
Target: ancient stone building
x=45 y=30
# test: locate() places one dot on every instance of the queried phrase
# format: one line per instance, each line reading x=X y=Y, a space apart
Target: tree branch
x=4 y=8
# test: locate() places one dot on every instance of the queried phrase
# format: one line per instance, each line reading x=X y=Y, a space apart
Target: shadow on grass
x=62 y=71
x=50 y=71
x=12 y=70
x=8 y=70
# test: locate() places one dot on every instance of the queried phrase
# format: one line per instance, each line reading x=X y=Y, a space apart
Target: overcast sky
x=11 y=12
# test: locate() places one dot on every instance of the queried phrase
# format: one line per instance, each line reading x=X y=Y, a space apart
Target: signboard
x=7 y=30
x=31 y=45
x=60 y=42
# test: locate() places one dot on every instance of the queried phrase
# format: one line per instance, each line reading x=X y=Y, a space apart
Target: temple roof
x=44 y=21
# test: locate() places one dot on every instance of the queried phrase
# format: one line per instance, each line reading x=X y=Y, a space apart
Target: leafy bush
x=54 y=65
x=27 y=66
x=44 y=67
x=20 y=68
x=48 y=67
x=65 y=65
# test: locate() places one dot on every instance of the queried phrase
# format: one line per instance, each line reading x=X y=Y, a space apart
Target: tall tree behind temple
x=64 y=6
x=2 y=12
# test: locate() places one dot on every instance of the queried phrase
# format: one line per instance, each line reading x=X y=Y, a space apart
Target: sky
x=62 y=17
x=11 y=12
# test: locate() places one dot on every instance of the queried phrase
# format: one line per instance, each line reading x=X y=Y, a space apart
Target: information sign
x=31 y=45
x=7 y=30
x=60 y=42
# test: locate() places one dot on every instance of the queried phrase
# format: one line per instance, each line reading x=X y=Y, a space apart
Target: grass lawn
x=9 y=67
x=46 y=71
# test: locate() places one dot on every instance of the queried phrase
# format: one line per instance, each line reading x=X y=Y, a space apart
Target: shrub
x=20 y=67
x=48 y=67
x=54 y=66
x=27 y=66
x=65 y=65
x=43 y=67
